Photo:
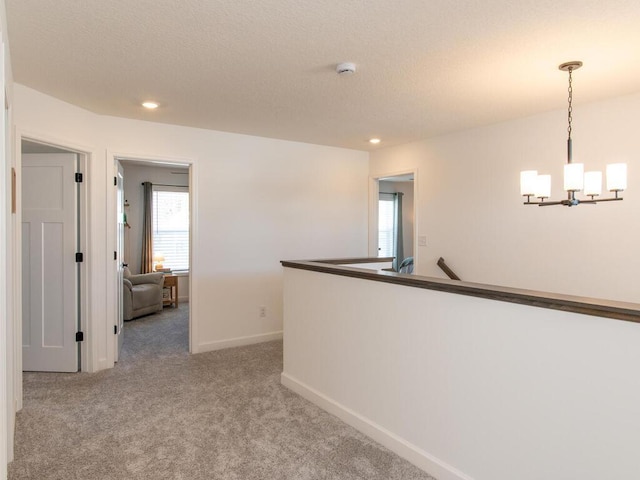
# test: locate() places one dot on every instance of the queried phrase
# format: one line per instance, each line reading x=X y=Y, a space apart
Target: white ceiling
x=267 y=68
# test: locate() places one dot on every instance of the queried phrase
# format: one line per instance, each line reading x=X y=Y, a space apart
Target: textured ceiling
x=267 y=68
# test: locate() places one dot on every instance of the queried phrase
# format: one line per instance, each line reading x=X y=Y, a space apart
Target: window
x=171 y=226
x=386 y=220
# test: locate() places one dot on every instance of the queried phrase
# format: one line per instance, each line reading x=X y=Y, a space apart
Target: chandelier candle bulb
x=617 y=177
x=543 y=186
x=592 y=184
x=528 y=180
x=573 y=177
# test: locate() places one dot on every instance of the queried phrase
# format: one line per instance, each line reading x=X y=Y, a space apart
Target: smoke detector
x=346 y=68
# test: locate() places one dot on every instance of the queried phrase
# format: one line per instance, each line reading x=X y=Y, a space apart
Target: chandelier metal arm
x=572 y=202
x=614 y=199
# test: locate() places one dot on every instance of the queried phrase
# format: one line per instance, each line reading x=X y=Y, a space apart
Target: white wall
x=255 y=200
x=471 y=211
x=407 y=211
x=464 y=387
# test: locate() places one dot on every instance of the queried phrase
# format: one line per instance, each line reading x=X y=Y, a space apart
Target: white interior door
x=121 y=222
x=49 y=272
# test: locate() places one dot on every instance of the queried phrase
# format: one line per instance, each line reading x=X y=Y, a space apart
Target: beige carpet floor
x=164 y=414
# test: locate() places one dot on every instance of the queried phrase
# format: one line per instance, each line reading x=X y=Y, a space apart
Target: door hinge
x=115 y=181
x=115 y=329
x=79 y=257
x=115 y=255
x=78 y=177
x=79 y=336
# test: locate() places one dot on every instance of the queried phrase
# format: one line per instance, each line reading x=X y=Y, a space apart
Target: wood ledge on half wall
x=629 y=312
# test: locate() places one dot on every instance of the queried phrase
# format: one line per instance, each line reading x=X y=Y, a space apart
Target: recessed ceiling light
x=150 y=105
x=375 y=141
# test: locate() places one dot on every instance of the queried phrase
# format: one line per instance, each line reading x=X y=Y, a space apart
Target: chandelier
x=575 y=178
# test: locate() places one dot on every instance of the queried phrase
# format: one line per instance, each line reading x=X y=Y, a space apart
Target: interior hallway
x=164 y=414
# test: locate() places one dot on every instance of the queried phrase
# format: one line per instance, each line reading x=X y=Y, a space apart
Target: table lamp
x=158 y=258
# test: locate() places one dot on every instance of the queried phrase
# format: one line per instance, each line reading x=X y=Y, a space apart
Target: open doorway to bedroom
x=394 y=233
x=155 y=214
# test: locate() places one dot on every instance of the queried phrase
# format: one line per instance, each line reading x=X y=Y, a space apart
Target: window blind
x=171 y=226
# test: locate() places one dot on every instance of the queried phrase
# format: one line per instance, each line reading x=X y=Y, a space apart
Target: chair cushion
x=145 y=295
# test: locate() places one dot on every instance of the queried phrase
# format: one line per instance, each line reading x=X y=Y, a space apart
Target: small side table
x=171 y=281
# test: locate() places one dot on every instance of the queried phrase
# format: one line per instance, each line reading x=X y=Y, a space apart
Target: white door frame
x=374 y=191
x=112 y=159
x=119 y=257
x=85 y=156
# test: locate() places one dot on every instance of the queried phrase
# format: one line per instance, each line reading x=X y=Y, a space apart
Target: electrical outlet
x=263 y=311
x=422 y=240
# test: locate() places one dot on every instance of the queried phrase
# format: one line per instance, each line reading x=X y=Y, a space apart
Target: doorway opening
x=52 y=241
x=154 y=209
x=393 y=208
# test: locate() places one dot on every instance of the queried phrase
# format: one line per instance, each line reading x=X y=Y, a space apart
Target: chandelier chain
x=570 y=109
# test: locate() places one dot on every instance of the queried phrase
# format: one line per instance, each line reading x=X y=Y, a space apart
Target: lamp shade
x=543 y=186
x=528 y=183
x=573 y=177
x=616 y=177
x=592 y=183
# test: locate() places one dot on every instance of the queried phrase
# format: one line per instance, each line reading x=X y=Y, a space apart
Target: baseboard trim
x=239 y=341
x=421 y=459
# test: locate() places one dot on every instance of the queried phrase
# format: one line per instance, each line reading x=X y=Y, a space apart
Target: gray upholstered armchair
x=142 y=294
